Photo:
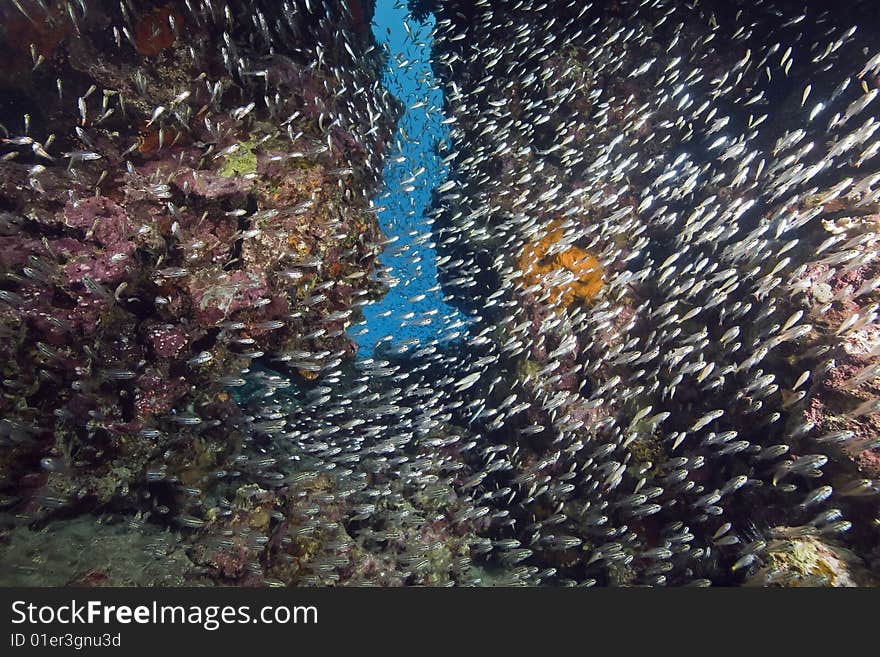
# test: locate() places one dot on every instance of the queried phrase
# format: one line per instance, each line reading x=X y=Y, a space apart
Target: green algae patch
x=241 y=162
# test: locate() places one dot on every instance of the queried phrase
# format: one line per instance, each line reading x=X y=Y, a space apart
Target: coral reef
x=654 y=355
x=159 y=235
x=88 y=551
x=721 y=384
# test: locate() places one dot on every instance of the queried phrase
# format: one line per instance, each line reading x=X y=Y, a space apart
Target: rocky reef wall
x=660 y=219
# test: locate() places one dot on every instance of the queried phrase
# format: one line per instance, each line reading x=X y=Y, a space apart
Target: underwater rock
x=792 y=559
x=88 y=552
x=655 y=349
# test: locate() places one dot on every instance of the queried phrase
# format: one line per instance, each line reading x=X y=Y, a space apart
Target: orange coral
x=148 y=140
x=564 y=277
x=308 y=375
x=154 y=33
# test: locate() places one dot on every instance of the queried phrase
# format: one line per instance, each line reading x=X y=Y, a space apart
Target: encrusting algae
x=562 y=276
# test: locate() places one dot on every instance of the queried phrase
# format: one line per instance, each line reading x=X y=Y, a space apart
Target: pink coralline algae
x=220 y=294
x=167 y=340
x=100 y=217
x=151 y=258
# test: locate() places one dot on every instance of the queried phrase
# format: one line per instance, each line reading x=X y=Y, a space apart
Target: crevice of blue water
x=414 y=311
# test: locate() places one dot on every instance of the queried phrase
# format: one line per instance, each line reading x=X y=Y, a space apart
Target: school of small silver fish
x=658 y=229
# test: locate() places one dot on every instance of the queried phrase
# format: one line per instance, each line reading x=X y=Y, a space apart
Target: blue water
x=413 y=312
